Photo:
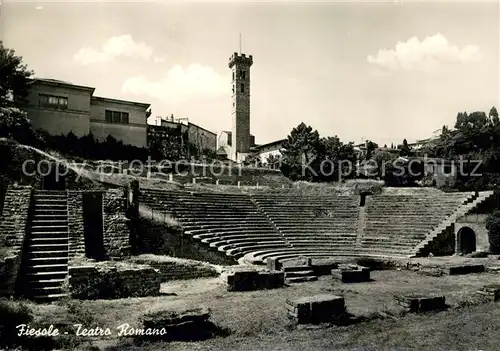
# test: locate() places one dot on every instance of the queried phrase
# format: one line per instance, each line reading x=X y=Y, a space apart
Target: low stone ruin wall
x=437 y=271
x=172 y=268
x=347 y=273
x=112 y=280
x=186 y=325
x=13 y=221
x=421 y=303
x=161 y=239
x=248 y=279
x=316 y=309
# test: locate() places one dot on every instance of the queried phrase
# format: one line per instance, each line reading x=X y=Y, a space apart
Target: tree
x=383 y=160
x=253 y=159
x=14 y=78
x=14 y=85
x=14 y=124
x=405 y=149
x=273 y=161
x=300 y=151
x=370 y=147
x=493 y=115
x=493 y=227
x=338 y=159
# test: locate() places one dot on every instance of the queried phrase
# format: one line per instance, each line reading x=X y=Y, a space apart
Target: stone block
x=421 y=303
x=190 y=324
x=316 y=309
x=466 y=269
x=248 y=279
x=351 y=273
x=492 y=292
x=274 y=264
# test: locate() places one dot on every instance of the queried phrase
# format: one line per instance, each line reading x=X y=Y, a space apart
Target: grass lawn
x=257 y=320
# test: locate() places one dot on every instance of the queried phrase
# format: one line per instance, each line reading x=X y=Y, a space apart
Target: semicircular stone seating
x=229 y=223
x=286 y=225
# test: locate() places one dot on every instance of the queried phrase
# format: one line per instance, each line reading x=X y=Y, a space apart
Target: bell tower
x=240 y=66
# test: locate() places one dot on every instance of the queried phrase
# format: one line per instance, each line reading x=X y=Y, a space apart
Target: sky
x=359 y=70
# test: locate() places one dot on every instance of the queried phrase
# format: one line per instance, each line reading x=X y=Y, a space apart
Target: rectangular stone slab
x=466 y=269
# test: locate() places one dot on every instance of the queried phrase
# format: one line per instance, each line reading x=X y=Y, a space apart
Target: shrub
x=493 y=226
x=13 y=313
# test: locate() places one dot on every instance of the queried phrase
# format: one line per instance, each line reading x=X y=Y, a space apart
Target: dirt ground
x=257 y=320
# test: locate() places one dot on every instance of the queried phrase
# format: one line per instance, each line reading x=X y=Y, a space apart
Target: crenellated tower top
x=240 y=59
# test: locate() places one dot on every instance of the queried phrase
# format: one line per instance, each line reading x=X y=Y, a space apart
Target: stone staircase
x=269 y=219
x=45 y=259
x=448 y=222
x=299 y=274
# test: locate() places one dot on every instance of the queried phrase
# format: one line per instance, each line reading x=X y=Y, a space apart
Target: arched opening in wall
x=466 y=238
x=93 y=226
x=54 y=177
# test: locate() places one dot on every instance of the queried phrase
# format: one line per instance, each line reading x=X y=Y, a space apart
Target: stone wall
x=9 y=269
x=116 y=226
x=176 y=269
x=476 y=222
x=75 y=224
x=109 y=280
x=442 y=245
x=245 y=278
x=13 y=222
x=158 y=238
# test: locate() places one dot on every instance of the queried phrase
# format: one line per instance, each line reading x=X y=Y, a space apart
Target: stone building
x=194 y=139
x=224 y=142
x=240 y=135
x=59 y=108
x=265 y=150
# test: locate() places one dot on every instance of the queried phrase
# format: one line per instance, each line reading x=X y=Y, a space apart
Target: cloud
x=114 y=47
x=179 y=84
x=428 y=54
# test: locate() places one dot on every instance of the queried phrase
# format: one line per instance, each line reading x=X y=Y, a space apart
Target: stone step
x=51 y=260
x=47 y=253
x=46 y=290
x=49 y=228
x=270 y=244
x=49 y=297
x=48 y=240
x=63 y=216
x=50 y=200
x=48 y=247
x=58 y=235
x=44 y=222
x=35 y=276
x=303 y=273
x=47 y=267
x=301 y=279
x=52 y=206
x=47 y=282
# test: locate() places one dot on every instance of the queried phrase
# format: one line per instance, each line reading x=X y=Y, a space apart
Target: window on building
x=233 y=88
x=50 y=101
x=116 y=116
x=242 y=74
x=233 y=75
x=242 y=88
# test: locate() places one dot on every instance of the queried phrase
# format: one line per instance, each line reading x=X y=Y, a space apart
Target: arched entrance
x=466 y=238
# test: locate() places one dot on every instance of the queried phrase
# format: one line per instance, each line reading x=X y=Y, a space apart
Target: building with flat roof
x=60 y=108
